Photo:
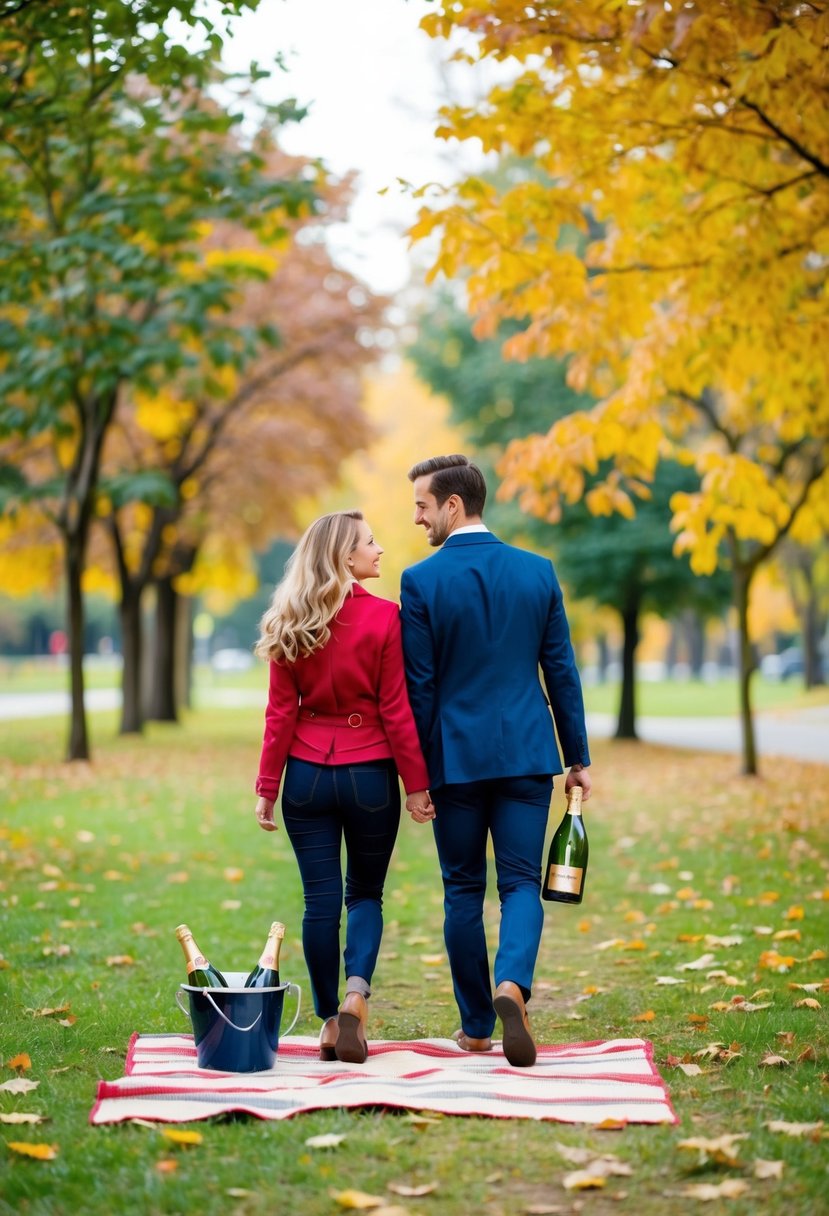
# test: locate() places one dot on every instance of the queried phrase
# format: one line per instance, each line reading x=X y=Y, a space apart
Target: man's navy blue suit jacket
x=479 y=619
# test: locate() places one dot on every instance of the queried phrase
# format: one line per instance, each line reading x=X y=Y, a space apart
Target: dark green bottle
x=200 y=973
x=567 y=858
x=266 y=972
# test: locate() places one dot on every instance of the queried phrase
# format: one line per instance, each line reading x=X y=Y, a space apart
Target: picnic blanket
x=574 y=1083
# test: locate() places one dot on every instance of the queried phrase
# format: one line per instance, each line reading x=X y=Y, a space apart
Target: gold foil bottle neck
x=574 y=796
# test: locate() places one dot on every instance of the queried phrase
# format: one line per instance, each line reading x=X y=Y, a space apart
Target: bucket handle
x=295 y=988
x=206 y=992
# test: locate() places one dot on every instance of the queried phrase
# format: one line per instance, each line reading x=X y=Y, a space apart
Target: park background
x=212 y=328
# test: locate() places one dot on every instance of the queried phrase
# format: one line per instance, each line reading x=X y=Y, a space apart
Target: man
x=479 y=618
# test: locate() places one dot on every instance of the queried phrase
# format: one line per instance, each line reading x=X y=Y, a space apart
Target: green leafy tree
x=112 y=160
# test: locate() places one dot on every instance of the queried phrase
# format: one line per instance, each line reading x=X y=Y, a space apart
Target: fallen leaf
x=699 y=964
x=770 y=1060
x=420 y=1120
x=184 y=1137
x=47 y=1013
x=808 y=1002
x=732 y=1188
x=787 y=935
x=795 y=912
x=807 y=1056
x=543 y=1209
x=816 y=957
x=413 y=1192
x=328 y=1140
x=794 y=1129
x=21 y=1061
x=772 y=961
x=41 y=1152
x=167 y=1165
x=768 y=1169
x=15 y=1116
x=583 y=1180
x=18 y=1086
x=720 y=1150
x=786 y=1036
x=356 y=1199
x=744 y=1006
x=647 y=1016
x=669 y=979
x=433 y=960
x=233 y=874
x=610 y=1125
x=120 y=960
x=690 y=1070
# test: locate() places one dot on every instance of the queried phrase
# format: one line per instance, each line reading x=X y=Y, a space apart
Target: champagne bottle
x=200 y=973
x=567 y=859
x=266 y=972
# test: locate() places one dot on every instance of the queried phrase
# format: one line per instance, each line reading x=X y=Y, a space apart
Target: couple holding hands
x=446 y=693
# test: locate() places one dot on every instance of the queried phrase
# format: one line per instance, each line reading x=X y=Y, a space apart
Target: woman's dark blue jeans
x=321 y=806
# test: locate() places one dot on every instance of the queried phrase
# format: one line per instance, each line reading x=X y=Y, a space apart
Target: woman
x=339 y=723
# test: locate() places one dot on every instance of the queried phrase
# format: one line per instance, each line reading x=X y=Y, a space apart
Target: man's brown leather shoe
x=328 y=1039
x=467 y=1043
x=351 y=1046
x=518 y=1044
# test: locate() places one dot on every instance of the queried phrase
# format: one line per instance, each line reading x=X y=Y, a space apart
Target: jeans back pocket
x=370 y=786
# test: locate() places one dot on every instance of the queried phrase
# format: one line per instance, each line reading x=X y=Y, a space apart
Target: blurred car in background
x=783 y=666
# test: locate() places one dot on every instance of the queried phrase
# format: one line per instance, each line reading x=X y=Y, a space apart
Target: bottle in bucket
x=266 y=972
x=200 y=973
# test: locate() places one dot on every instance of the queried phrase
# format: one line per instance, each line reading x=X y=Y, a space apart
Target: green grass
x=94 y=857
x=695 y=699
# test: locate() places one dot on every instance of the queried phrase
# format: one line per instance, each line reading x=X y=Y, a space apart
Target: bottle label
x=567 y=879
x=196 y=963
x=267 y=959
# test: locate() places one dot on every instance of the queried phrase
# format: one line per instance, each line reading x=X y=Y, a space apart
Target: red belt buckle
x=355 y=720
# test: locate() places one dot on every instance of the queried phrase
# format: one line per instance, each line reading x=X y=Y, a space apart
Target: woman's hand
x=264 y=815
x=420 y=806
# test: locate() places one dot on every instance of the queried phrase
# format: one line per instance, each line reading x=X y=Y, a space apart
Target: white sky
x=374 y=82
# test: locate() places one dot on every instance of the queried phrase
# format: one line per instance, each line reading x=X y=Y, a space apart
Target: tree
x=242 y=450
x=688 y=144
x=620 y=562
x=111 y=157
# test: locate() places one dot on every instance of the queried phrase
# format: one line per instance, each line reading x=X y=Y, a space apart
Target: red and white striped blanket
x=574 y=1083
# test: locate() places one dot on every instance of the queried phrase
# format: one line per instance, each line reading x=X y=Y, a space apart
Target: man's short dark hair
x=453 y=475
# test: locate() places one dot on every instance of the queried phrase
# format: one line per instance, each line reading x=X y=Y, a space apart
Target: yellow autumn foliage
x=666 y=231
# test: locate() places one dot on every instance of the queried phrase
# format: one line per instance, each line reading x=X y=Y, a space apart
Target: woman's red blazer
x=358 y=674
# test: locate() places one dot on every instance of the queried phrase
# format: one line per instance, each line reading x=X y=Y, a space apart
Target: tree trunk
x=132 y=717
x=695 y=635
x=163 y=707
x=626 y=725
x=603 y=657
x=183 y=652
x=78 y=744
x=742 y=587
x=812 y=625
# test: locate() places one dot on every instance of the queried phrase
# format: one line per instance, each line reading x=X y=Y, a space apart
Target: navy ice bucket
x=237 y=1029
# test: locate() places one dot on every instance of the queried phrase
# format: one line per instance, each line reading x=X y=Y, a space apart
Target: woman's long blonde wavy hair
x=312 y=591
